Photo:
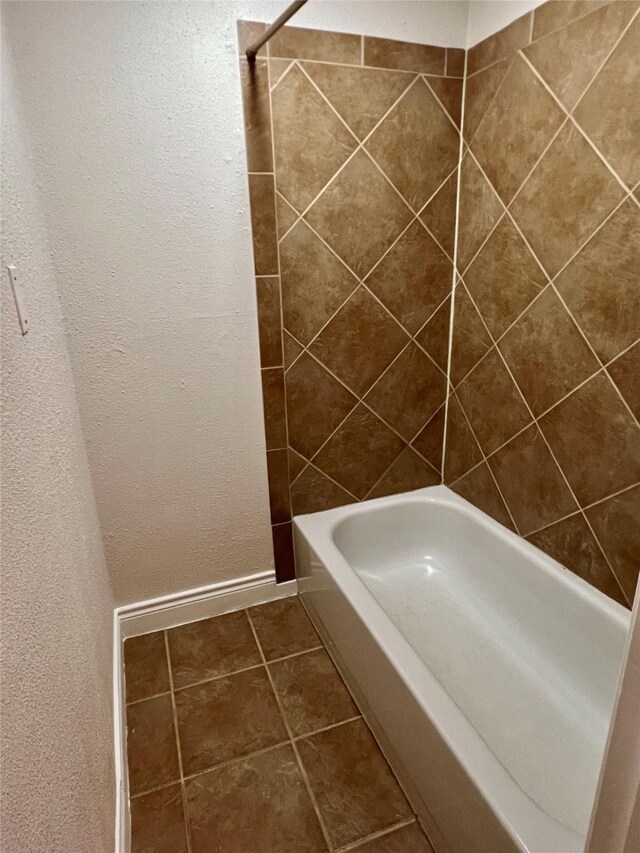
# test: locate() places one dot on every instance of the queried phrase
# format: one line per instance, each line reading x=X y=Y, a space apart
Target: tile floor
x=242 y=738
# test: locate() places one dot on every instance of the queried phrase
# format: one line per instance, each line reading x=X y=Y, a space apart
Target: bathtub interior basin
x=529 y=653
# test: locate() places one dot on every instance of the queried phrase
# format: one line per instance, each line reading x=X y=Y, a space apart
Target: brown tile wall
x=352 y=146
x=542 y=428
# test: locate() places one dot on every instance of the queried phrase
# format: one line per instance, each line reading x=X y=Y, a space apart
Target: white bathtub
x=487 y=671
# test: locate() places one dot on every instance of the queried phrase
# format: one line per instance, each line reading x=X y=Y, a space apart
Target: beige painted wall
x=56 y=605
x=136 y=120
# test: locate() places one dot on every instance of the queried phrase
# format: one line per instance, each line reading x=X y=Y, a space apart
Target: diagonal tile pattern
x=548 y=250
x=416 y=145
x=359 y=214
x=365 y=157
x=310 y=141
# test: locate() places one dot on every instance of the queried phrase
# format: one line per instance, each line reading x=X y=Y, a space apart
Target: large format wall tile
x=314 y=282
x=546 y=353
x=601 y=285
x=515 y=130
x=615 y=522
x=571 y=542
x=416 y=145
x=572 y=224
x=316 y=404
x=413 y=278
x=625 y=372
x=311 y=142
x=610 y=110
x=409 y=392
x=360 y=185
x=361 y=96
x=595 y=439
x=359 y=214
x=569 y=178
x=504 y=277
x=480 y=209
x=360 y=342
x=568 y=58
x=359 y=452
x=492 y=403
x=439 y=214
x=531 y=482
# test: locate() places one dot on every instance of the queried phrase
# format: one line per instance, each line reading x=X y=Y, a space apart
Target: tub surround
x=542 y=425
x=352 y=152
x=542 y=428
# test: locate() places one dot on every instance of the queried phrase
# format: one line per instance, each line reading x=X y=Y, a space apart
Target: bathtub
x=486 y=670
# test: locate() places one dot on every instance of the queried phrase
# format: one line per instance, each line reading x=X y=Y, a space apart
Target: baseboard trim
x=158 y=614
x=169 y=611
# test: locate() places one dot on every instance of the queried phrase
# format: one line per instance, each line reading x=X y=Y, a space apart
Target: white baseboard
x=169 y=611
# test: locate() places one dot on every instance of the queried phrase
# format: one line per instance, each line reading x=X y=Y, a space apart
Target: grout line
x=622 y=202
x=145 y=698
x=485 y=460
x=239 y=758
x=570 y=116
x=154 y=790
x=324 y=474
x=553 y=456
x=360 y=145
x=375 y=835
x=366 y=405
x=217 y=677
x=606 y=59
x=441 y=104
x=178 y=746
x=303 y=772
x=327 y=728
x=226 y=674
x=454 y=279
x=586 y=507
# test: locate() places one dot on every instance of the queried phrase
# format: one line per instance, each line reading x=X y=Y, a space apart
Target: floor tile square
x=283 y=628
x=356 y=791
x=212 y=647
x=152 y=754
x=227 y=718
x=157 y=822
x=145 y=666
x=311 y=692
x=259 y=805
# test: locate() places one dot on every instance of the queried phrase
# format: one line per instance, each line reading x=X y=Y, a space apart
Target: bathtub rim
x=523 y=819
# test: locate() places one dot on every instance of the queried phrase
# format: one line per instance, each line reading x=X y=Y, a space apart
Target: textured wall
x=136 y=121
x=56 y=606
x=542 y=425
x=353 y=204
